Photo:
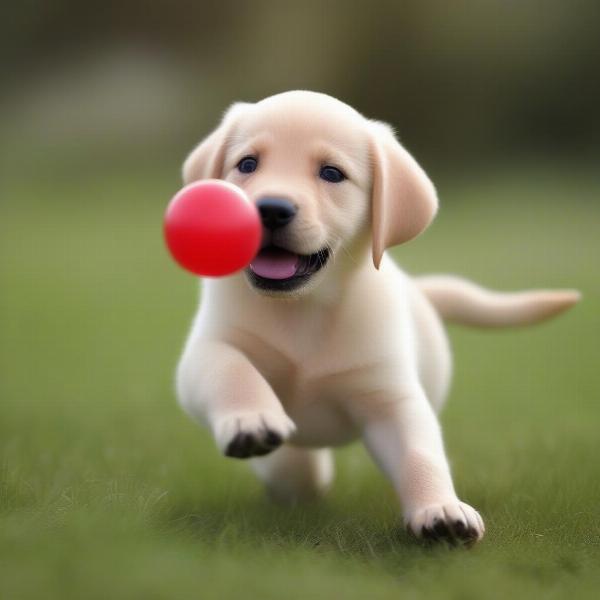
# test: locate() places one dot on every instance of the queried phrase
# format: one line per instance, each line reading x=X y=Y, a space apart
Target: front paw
x=453 y=522
x=243 y=435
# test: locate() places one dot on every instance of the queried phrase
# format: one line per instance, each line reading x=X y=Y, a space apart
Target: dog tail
x=460 y=301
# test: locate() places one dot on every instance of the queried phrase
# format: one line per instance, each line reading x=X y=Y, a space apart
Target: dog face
x=319 y=173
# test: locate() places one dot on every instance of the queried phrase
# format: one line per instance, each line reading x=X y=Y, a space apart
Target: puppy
x=323 y=339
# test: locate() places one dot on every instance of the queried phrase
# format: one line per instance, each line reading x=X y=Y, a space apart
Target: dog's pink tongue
x=274 y=263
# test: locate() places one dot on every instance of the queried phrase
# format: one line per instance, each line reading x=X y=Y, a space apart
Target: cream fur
x=359 y=351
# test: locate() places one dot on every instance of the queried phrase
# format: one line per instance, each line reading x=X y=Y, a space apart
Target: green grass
x=108 y=491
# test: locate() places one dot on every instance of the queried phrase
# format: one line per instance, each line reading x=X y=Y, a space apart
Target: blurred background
x=99 y=104
x=99 y=85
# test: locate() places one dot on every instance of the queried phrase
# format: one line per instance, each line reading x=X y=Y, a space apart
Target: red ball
x=212 y=228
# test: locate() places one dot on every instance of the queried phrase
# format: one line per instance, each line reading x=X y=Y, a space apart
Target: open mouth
x=277 y=269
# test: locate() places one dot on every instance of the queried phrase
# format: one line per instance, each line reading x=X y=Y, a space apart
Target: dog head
x=322 y=176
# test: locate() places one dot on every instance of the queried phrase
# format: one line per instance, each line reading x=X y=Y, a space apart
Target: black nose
x=275 y=212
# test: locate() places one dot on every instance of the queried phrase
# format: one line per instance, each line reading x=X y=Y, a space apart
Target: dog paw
x=252 y=434
x=454 y=522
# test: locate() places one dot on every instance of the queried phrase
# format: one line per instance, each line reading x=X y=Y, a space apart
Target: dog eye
x=248 y=164
x=331 y=174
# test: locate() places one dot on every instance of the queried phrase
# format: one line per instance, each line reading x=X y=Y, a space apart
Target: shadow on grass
x=330 y=526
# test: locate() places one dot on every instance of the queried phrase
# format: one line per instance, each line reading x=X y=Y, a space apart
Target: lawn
x=109 y=491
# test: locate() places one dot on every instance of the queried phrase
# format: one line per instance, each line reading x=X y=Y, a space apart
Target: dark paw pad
x=245 y=445
x=240 y=446
x=441 y=530
x=464 y=533
x=455 y=533
x=428 y=534
x=272 y=439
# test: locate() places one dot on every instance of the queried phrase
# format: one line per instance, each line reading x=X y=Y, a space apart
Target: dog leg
x=294 y=475
x=218 y=385
x=406 y=442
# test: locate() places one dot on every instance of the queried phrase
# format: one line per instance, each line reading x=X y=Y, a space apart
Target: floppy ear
x=404 y=200
x=206 y=160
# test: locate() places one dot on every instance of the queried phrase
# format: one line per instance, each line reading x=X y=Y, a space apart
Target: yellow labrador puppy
x=323 y=339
